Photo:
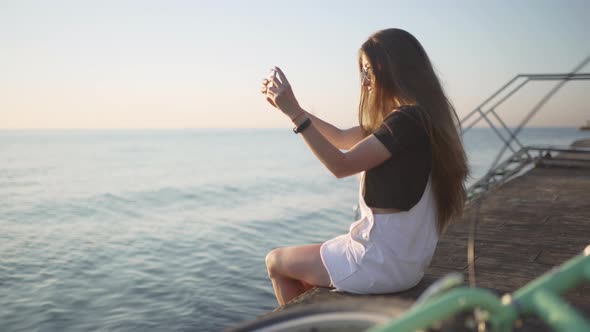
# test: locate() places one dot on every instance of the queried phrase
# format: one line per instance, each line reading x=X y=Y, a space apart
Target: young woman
x=409 y=151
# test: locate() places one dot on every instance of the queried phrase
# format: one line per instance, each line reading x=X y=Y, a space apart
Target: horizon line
x=215 y=128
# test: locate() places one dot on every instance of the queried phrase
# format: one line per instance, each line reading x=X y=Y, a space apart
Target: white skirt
x=383 y=253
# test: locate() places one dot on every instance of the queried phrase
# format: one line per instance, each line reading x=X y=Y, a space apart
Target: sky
x=199 y=64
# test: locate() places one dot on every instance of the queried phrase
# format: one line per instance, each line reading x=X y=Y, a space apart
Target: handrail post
x=557 y=313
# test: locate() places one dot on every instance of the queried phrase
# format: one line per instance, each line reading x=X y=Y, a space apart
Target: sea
x=152 y=230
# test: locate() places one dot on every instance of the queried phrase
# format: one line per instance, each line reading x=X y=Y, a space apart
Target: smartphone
x=271 y=75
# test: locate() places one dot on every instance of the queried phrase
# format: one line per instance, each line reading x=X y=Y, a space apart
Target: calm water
x=165 y=230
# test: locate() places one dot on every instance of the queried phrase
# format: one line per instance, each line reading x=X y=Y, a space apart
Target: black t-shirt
x=399 y=182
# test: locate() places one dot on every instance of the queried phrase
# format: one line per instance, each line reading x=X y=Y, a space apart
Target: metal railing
x=520 y=161
x=499 y=172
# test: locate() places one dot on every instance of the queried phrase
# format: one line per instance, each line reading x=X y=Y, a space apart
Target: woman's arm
x=342 y=139
x=364 y=155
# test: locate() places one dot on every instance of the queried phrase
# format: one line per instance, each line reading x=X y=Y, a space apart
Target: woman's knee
x=300 y=263
x=272 y=261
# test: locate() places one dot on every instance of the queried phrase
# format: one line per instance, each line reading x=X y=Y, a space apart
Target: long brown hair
x=403 y=75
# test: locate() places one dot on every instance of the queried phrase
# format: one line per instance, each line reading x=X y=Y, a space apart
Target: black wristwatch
x=302 y=126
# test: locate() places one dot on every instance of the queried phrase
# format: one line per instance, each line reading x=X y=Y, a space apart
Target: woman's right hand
x=266 y=83
x=279 y=93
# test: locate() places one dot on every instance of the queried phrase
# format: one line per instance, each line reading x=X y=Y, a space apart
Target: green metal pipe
x=445 y=306
x=557 y=313
x=557 y=281
x=539 y=296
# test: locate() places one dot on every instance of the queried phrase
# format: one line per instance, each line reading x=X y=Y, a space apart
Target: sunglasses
x=366 y=73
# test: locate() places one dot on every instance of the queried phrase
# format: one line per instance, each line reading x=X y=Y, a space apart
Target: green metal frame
x=540 y=297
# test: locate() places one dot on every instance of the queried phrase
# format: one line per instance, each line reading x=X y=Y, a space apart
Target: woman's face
x=366 y=73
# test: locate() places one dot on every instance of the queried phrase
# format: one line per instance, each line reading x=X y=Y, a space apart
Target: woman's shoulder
x=404 y=112
x=408 y=119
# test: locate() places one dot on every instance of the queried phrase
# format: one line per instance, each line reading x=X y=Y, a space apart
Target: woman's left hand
x=279 y=93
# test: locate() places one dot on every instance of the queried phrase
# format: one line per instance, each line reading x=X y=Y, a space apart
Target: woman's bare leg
x=286 y=288
x=293 y=269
